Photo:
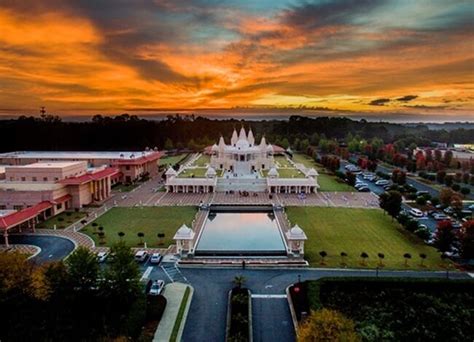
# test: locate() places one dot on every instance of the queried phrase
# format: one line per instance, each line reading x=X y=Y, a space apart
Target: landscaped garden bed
x=238 y=318
x=344 y=234
x=62 y=220
x=150 y=221
x=394 y=309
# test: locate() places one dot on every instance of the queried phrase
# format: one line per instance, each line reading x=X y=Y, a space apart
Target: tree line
x=129 y=132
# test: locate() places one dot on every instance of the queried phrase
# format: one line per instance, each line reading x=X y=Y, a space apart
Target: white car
x=361 y=185
x=155 y=258
x=102 y=256
x=382 y=182
x=416 y=212
x=141 y=256
x=157 y=287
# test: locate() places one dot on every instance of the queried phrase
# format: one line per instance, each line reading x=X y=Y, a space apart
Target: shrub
x=423 y=233
x=456 y=187
x=60 y=219
x=421 y=200
x=435 y=201
x=465 y=191
x=411 y=225
x=155 y=307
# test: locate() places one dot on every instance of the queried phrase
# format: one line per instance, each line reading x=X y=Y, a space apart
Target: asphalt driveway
x=53 y=248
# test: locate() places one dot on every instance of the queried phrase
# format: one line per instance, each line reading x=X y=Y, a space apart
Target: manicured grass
x=125 y=187
x=202 y=161
x=282 y=161
x=63 y=220
x=179 y=318
x=171 y=160
x=353 y=231
x=198 y=172
x=148 y=220
x=327 y=182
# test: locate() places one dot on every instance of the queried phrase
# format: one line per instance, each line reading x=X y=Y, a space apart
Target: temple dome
x=171 y=172
x=296 y=233
x=273 y=172
x=312 y=173
x=184 y=233
x=242 y=144
x=210 y=172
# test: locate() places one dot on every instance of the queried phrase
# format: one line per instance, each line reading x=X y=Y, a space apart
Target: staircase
x=241 y=184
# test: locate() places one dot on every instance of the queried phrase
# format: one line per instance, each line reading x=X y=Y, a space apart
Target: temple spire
x=234 y=138
x=251 y=138
x=242 y=135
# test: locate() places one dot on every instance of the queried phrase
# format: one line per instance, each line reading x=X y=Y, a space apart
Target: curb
x=292 y=309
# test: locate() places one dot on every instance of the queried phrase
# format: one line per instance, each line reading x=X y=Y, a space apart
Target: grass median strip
x=179 y=318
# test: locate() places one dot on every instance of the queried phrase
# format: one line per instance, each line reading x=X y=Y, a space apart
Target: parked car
x=382 y=182
x=416 y=212
x=141 y=256
x=449 y=210
x=102 y=256
x=421 y=193
x=363 y=189
x=471 y=207
x=155 y=258
x=360 y=185
x=157 y=287
x=440 y=217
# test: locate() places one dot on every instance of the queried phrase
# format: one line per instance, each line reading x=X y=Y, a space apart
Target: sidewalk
x=174 y=294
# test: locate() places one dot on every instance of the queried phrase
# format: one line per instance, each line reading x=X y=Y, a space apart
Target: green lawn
x=282 y=161
x=63 y=220
x=336 y=230
x=198 y=172
x=125 y=187
x=327 y=182
x=171 y=160
x=202 y=161
x=149 y=220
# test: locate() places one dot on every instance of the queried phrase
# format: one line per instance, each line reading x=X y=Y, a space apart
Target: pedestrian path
x=173 y=273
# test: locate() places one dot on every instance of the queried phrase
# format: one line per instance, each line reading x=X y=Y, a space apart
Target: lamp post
x=299 y=278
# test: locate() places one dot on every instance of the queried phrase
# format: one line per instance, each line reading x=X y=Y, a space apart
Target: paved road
x=272 y=320
x=53 y=248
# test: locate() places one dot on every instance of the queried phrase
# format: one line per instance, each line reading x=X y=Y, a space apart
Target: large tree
x=391 y=202
x=444 y=235
x=466 y=237
x=83 y=269
x=327 y=325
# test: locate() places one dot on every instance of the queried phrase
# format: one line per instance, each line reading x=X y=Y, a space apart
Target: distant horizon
x=262 y=114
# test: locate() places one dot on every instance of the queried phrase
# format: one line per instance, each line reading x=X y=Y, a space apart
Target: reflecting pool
x=240 y=233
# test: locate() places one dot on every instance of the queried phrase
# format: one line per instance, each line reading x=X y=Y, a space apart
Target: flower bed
x=239 y=325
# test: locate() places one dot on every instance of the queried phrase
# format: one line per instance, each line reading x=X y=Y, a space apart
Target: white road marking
x=471 y=275
x=50 y=256
x=146 y=274
x=268 y=286
x=267 y=296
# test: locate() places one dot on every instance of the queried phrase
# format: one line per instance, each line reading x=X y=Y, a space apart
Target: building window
x=56 y=178
x=17 y=207
x=263 y=166
x=3 y=207
x=12 y=179
x=127 y=167
x=23 y=179
x=59 y=206
x=34 y=179
x=45 y=179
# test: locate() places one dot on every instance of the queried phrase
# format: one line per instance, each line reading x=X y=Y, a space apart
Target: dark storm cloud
x=407 y=98
x=379 y=102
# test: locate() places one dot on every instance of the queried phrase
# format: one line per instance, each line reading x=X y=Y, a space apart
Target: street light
x=299 y=278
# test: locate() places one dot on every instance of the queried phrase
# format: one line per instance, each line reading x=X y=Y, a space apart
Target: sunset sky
x=110 y=57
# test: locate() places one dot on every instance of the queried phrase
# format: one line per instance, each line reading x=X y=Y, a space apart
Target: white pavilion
x=242 y=157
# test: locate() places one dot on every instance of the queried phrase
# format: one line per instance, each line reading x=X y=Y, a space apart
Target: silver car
x=157 y=287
